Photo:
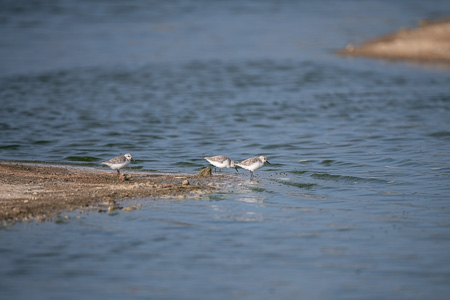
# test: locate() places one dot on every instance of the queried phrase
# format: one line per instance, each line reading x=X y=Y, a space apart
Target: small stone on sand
x=205 y=172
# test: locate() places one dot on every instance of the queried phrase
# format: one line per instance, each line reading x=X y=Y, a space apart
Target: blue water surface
x=355 y=203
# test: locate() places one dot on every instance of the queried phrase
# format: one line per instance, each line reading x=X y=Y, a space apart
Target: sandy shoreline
x=429 y=43
x=39 y=192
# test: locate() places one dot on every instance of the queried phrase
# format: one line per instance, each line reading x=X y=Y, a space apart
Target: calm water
x=355 y=204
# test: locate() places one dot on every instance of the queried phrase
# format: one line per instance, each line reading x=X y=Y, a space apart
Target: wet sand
x=429 y=43
x=39 y=192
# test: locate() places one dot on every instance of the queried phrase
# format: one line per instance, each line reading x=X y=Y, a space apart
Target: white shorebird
x=118 y=162
x=253 y=164
x=221 y=161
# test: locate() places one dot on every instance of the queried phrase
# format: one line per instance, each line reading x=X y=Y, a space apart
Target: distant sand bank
x=429 y=43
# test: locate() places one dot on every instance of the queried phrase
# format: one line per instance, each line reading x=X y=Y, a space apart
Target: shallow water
x=354 y=204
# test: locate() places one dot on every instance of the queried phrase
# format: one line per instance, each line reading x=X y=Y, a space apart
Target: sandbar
x=40 y=192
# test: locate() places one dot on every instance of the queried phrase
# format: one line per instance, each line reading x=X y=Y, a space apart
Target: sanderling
x=118 y=162
x=221 y=161
x=253 y=164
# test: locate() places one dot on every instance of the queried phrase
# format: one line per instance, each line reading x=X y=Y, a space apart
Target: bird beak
x=268 y=162
x=236 y=169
